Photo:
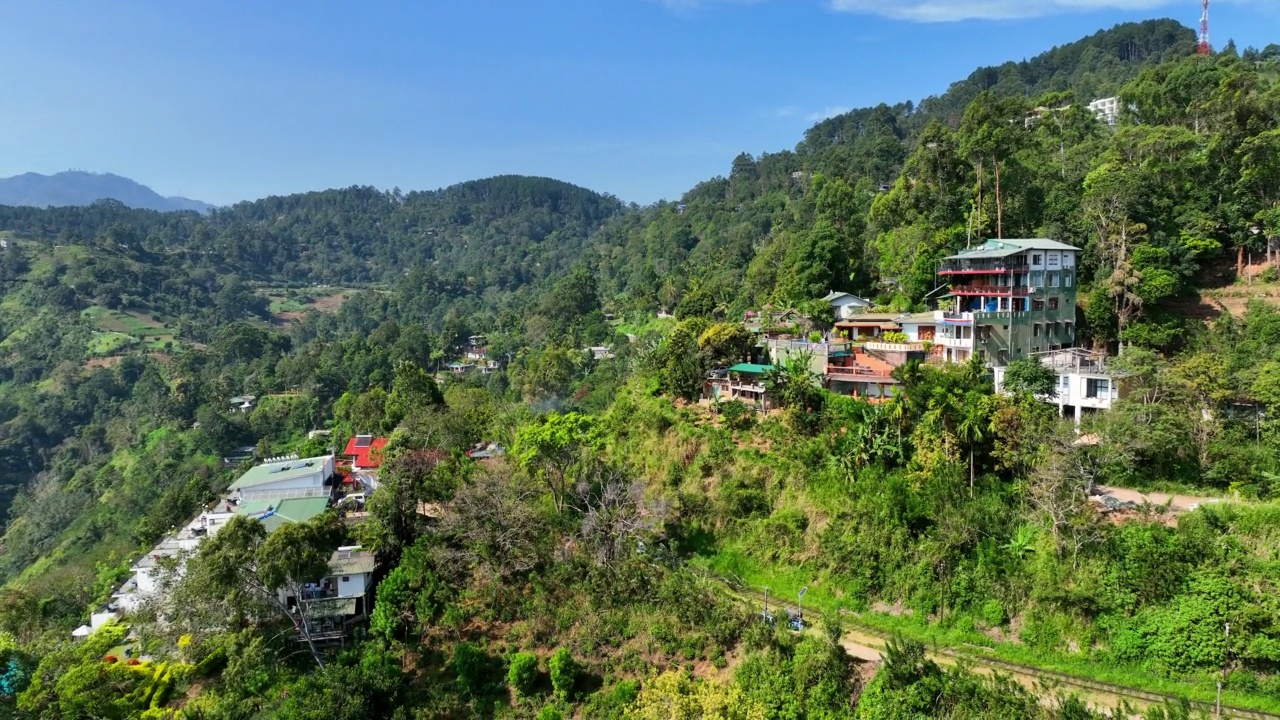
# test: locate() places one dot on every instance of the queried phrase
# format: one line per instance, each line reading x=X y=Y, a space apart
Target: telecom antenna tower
x=1204 y=48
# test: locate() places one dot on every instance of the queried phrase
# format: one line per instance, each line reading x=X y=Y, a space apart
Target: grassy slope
x=679 y=449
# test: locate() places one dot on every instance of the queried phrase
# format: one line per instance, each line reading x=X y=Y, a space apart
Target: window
x=1053 y=260
x=1037 y=259
x=1066 y=279
x=1035 y=349
x=1053 y=303
x=1037 y=305
x=1097 y=387
x=1067 y=327
x=1053 y=279
x=1037 y=278
x=1064 y=382
x=1035 y=330
x=346 y=578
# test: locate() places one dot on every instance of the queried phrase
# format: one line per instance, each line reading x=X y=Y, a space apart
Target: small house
x=242 y=403
x=846 y=305
x=365 y=452
x=743 y=382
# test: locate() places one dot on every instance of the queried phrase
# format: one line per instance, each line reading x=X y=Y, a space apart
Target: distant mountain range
x=84 y=188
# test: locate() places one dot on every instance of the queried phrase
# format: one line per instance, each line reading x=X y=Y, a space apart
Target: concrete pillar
x=1079 y=412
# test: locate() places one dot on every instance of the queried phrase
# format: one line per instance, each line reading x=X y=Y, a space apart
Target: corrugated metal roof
x=352 y=562
x=275 y=513
x=279 y=471
x=329 y=607
x=1009 y=246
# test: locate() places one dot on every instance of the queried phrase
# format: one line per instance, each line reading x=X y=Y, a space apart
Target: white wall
x=848 y=307
x=352 y=585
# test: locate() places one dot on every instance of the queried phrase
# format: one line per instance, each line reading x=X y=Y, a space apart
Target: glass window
x=1097 y=387
x=1053 y=279
x=1037 y=259
x=1066 y=279
x=1053 y=303
x=1053 y=260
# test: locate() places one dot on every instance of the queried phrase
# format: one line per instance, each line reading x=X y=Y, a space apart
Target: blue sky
x=224 y=100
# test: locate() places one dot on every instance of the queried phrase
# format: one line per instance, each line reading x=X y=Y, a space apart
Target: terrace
x=990 y=290
x=983 y=266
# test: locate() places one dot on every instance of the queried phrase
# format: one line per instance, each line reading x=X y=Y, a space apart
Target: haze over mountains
x=75 y=187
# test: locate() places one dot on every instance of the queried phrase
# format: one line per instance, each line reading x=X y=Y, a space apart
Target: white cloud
x=784 y=111
x=953 y=10
x=830 y=112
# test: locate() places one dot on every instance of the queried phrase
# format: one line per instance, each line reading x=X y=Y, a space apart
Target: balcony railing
x=840 y=372
x=990 y=290
x=961 y=267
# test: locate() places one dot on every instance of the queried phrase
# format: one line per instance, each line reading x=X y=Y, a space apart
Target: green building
x=1013 y=298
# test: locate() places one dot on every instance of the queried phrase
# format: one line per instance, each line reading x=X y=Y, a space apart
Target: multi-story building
x=1013 y=299
x=1085 y=382
x=1106 y=109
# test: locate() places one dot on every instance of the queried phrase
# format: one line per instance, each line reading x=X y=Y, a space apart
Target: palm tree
x=973 y=426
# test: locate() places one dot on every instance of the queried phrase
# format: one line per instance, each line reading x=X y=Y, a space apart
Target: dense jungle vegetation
x=602 y=569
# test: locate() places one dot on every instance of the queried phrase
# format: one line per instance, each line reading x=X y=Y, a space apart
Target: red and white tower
x=1204 y=48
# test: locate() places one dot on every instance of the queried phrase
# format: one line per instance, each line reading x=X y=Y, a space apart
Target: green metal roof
x=275 y=472
x=751 y=368
x=329 y=607
x=1007 y=247
x=289 y=510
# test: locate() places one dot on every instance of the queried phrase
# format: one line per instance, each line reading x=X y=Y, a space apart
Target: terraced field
x=117 y=330
x=289 y=305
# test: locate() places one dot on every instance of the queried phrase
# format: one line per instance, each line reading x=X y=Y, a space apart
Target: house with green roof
x=743 y=382
x=286 y=477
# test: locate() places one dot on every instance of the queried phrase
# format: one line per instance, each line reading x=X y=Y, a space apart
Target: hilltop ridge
x=76 y=187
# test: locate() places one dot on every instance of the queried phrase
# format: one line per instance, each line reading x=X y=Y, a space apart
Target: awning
x=82 y=631
x=750 y=368
x=329 y=607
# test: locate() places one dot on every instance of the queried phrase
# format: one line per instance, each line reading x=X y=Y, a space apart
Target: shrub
x=993 y=613
x=550 y=712
x=523 y=673
x=736 y=415
x=564 y=673
x=469 y=665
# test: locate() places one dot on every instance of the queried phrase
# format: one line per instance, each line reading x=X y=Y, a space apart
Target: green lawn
x=109 y=343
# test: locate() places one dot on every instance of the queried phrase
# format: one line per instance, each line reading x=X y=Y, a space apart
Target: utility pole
x=1226 y=649
x=799 y=607
x=766 y=605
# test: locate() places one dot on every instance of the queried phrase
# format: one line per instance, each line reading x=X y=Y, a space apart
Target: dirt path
x=1181 y=503
x=869 y=648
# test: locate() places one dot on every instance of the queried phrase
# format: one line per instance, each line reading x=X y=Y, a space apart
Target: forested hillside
x=609 y=564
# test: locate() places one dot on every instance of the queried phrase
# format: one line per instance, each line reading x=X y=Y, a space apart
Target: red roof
x=365 y=451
